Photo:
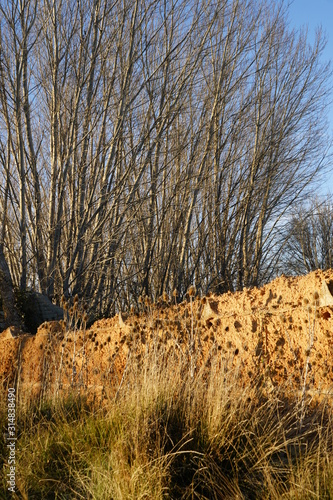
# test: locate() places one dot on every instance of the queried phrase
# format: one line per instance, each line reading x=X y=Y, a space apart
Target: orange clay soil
x=271 y=335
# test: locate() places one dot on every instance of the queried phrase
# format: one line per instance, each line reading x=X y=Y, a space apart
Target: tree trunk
x=12 y=316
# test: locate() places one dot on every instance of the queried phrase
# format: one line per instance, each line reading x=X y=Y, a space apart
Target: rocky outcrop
x=36 y=309
x=277 y=336
x=39 y=309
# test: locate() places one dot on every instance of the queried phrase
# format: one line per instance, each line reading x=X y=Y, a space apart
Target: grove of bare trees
x=147 y=145
x=309 y=243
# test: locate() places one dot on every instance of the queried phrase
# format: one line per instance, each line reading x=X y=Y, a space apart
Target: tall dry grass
x=172 y=429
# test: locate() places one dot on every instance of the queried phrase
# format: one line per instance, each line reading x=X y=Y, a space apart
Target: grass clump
x=170 y=427
x=170 y=437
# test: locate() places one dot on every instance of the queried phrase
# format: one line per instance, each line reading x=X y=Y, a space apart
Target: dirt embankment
x=280 y=334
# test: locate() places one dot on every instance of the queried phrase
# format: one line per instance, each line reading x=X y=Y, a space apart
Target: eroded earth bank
x=277 y=335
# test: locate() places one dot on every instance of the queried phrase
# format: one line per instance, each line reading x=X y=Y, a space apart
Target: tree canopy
x=147 y=145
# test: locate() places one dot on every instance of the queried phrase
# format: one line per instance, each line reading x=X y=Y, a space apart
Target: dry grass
x=171 y=428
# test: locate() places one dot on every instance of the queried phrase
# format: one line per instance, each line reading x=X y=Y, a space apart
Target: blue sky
x=315 y=13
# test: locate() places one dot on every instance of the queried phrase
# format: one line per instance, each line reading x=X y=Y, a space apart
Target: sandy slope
x=272 y=334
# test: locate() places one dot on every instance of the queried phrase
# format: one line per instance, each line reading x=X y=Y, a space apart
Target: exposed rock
x=36 y=309
x=267 y=335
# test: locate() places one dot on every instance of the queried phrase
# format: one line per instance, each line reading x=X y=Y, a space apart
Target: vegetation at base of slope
x=168 y=434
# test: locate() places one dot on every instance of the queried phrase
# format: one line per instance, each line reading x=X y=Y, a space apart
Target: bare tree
x=148 y=145
x=279 y=154
x=11 y=314
x=309 y=244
